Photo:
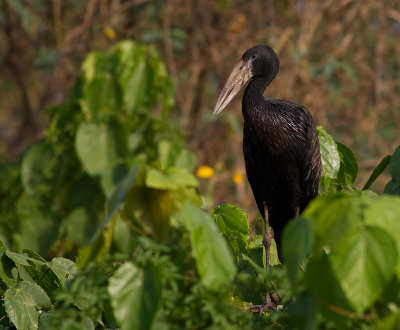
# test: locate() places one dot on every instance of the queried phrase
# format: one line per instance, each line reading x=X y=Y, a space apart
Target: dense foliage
x=107 y=217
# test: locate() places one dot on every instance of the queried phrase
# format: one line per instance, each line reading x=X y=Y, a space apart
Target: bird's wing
x=309 y=158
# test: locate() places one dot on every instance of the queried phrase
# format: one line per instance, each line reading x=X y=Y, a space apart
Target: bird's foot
x=267 y=305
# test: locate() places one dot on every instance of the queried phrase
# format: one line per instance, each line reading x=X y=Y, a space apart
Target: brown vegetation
x=340 y=59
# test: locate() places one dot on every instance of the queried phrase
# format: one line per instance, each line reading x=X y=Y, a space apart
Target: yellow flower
x=205 y=172
x=109 y=32
x=237 y=178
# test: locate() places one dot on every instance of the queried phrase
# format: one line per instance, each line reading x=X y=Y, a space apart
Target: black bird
x=280 y=144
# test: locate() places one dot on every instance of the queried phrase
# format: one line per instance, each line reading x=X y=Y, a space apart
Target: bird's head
x=259 y=60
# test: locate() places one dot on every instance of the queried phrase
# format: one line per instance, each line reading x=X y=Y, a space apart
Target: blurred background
x=339 y=58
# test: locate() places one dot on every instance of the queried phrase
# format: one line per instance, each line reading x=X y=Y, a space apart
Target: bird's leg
x=267 y=239
x=296 y=212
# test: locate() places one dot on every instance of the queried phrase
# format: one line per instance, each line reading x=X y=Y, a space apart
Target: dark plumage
x=280 y=142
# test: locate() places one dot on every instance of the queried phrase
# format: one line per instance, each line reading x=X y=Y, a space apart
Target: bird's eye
x=254 y=56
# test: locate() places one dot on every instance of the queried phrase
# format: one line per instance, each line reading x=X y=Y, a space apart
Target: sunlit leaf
x=385 y=213
x=333 y=217
x=234 y=224
x=173 y=178
x=23 y=302
x=364 y=264
x=329 y=154
x=63 y=268
x=213 y=260
x=100 y=146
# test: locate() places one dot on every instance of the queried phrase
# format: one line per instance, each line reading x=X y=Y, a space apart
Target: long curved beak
x=238 y=78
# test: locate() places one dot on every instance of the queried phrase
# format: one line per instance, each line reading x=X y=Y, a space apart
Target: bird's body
x=281 y=153
x=280 y=142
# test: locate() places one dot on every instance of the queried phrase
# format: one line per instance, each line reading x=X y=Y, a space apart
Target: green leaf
x=99 y=247
x=385 y=213
x=303 y=312
x=100 y=146
x=394 y=166
x=39 y=231
x=111 y=177
x=348 y=166
x=63 y=268
x=135 y=295
x=333 y=217
x=174 y=177
x=18 y=258
x=392 y=188
x=40 y=273
x=23 y=302
x=100 y=95
x=364 y=264
x=138 y=86
x=297 y=241
x=234 y=224
x=73 y=319
x=119 y=193
x=323 y=284
x=7 y=267
x=377 y=171
x=41 y=172
x=81 y=225
x=170 y=154
x=213 y=260
x=329 y=154
x=390 y=322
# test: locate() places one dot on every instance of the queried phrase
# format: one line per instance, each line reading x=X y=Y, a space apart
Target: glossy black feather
x=280 y=146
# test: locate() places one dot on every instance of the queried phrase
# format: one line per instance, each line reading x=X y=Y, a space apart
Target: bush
x=110 y=201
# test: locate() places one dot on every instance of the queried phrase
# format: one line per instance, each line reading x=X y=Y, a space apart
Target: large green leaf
x=23 y=302
x=364 y=264
x=174 y=177
x=385 y=213
x=297 y=241
x=234 y=224
x=100 y=146
x=363 y=256
x=322 y=282
x=213 y=260
x=333 y=217
x=135 y=295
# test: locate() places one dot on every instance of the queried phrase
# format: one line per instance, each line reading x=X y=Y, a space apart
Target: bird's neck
x=253 y=94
